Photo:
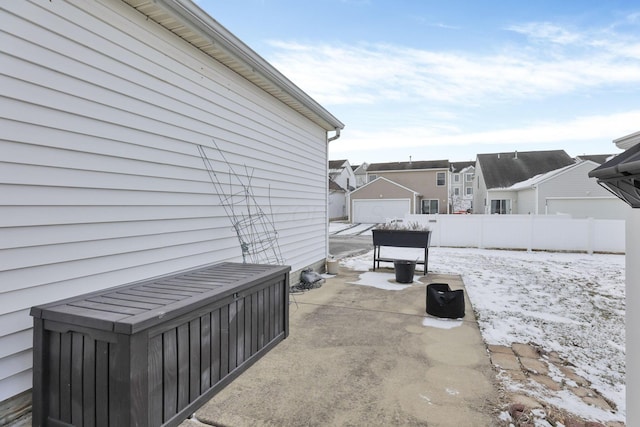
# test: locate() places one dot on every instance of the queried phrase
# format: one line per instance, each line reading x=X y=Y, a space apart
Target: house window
x=440 y=179
x=501 y=206
x=469 y=191
x=468 y=177
x=456 y=177
x=430 y=206
x=372 y=177
x=456 y=191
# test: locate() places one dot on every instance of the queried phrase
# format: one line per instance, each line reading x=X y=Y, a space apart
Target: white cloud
x=587 y=128
x=559 y=62
x=546 y=31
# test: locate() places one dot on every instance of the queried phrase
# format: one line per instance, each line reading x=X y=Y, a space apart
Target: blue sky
x=452 y=79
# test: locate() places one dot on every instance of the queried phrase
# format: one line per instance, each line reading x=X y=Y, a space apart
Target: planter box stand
x=400 y=239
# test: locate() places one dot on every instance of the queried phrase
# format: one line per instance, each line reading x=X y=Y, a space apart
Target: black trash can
x=404 y=270
x=443 y=302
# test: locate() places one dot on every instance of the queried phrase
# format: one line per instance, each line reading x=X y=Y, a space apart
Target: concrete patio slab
x=362 y=356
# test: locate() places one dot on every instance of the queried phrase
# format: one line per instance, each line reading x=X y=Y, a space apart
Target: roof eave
x=189 y=22
x=627 y=141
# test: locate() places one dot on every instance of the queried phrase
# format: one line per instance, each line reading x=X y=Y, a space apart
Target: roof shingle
x=501 y=170
x=404 y=166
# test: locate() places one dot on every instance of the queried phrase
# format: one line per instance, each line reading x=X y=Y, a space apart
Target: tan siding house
x=380 y=201
x=430 y=179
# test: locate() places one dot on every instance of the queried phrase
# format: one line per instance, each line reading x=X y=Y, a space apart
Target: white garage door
x=379 y=211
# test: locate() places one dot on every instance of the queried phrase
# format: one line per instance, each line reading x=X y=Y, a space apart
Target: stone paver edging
x=522 y=363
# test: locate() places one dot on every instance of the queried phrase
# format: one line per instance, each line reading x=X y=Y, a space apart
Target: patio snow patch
x=441 y=323
x=378 y=280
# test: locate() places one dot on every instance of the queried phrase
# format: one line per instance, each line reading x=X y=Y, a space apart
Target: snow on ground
x=570 y=303
x=345 y=229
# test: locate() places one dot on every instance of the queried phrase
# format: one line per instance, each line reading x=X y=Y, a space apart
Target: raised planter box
x=400 y=239
x=150 y=353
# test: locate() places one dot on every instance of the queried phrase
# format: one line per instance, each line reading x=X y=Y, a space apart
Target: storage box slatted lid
x=137 y=306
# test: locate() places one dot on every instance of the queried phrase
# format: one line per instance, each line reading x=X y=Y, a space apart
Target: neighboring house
x=629 y=177
x=409 y=187
x=337 y=201
x=496 y=172
x=382 y=200
x=360 y=172
x=104 y=107
x=341 y=172
x=569 y=191
x=461 y=186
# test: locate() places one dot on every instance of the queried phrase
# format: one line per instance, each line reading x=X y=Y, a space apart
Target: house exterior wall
x=346 y=178
x=572 y=183
x=502 y=195
x=527 y=202
x=479 y=191
x=423 y=182
x=461 y=201
x=570 y=192
x=102 y=112
x=467 y=199
x=588 y=207
x=383 y=189
x=361 y=175
x=337 y=205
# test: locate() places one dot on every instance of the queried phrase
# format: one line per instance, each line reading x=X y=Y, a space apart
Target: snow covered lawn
x=570 y=303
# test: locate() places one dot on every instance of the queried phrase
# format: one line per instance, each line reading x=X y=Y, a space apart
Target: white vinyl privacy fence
x=527 y=232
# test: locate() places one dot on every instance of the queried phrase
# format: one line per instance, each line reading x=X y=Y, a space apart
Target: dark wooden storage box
x=150 y=353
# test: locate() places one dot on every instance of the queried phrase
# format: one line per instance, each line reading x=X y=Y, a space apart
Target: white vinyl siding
x=101 y=182
x=573 y=183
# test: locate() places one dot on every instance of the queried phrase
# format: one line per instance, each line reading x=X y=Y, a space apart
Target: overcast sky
x=436 y=79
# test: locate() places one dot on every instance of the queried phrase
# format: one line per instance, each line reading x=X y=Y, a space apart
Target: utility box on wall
x=152 y=352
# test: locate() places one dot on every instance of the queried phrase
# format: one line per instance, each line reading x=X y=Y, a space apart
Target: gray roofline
x=404 y=187
x=627 y=141
x=211 y=37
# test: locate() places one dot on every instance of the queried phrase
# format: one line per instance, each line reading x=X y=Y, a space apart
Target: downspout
x=336 y=136
x=333 y=138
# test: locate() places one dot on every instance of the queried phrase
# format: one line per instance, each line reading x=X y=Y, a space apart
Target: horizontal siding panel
x=41 y=274
x=179 y=179
x=17 y=320
x=37 y=195
x=74 y=196
x=188 y=168
x=25 y=174
x=126 y=59
x=42 y=255
x=18 y=362
x=22 y=237
x=15 y=384
x=16 y=342
x=51 y=215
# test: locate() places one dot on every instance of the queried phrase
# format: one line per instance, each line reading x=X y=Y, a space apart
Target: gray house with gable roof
x=495 y=173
